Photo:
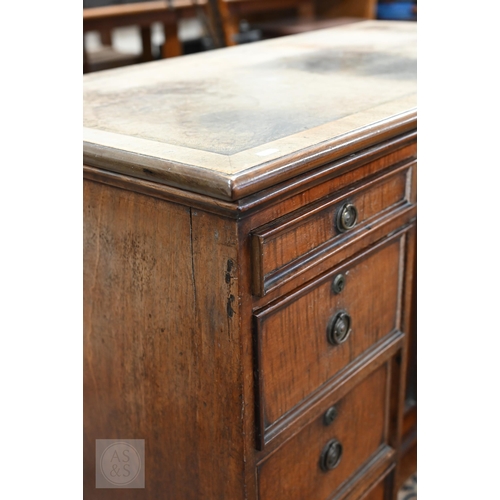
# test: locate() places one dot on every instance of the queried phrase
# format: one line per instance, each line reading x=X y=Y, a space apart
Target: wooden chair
x=307 y=16
x=292 y=27
x=329 y=9
x=105 y=19
x=234 y=11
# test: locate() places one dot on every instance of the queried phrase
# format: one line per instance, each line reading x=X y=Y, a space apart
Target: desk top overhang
x=230 y=122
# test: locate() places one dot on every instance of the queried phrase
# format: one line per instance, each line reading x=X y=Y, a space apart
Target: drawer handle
x=339 y=328
x=330 y=415
x=347 y=217
x=338 y=283
x=331 y=455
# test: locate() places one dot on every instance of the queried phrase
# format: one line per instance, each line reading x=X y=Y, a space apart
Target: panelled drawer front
x=376 y=493
x=297 y=469
x=294 y=354
x=281 y=247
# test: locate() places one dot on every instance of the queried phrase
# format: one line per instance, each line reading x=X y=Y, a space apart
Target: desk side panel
x=161 y=344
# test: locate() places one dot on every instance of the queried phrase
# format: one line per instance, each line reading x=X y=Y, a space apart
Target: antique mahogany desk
x=249 y=243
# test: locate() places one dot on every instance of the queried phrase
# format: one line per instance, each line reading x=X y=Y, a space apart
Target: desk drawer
x=300 y=340
x=286 y=246
x=328 y=453
x=378 y=492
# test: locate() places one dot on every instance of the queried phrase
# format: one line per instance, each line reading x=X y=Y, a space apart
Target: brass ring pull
x=338 y=283
x=339 y=328
x=347 y=217
x=331 y=455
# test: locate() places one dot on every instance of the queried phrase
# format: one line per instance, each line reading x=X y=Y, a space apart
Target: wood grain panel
x=295 y=356
x=378 y=492
x=293 y=472
x=337 y=387
x=379 y=478
x=162 y=356
x=309 y=230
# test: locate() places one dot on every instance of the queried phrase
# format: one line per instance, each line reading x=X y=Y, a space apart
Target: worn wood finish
x=168 y=246
x=295 y=357
x=161 y=356
x=242 y=272
x=294 y=471
x=340 y=384
x=145 y=121
x=347 y=248
x=275 y=202
x=282 y=245
x=162 y=192
x=333 y=176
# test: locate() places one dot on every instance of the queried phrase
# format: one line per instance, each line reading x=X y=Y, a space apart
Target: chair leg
x=106 y=38
x=86 y=66
x=306 y=11
x=230 y=23
x=172 y=45
x=147 y=53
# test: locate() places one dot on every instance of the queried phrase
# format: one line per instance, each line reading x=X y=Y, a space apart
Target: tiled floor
x=409 y=489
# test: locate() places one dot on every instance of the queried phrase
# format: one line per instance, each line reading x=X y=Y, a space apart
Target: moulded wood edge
x=249 y=180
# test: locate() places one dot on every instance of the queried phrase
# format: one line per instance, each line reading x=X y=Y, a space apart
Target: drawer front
x=282 y=248
x=328 y=453
x=378 y=492
x=299 y=348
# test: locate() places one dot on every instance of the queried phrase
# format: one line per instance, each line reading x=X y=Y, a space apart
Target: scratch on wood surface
x=193 y=279
x=230 y=297
x=88 y=299
x=229 y=279
x=98 y=229
x=230 y=310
